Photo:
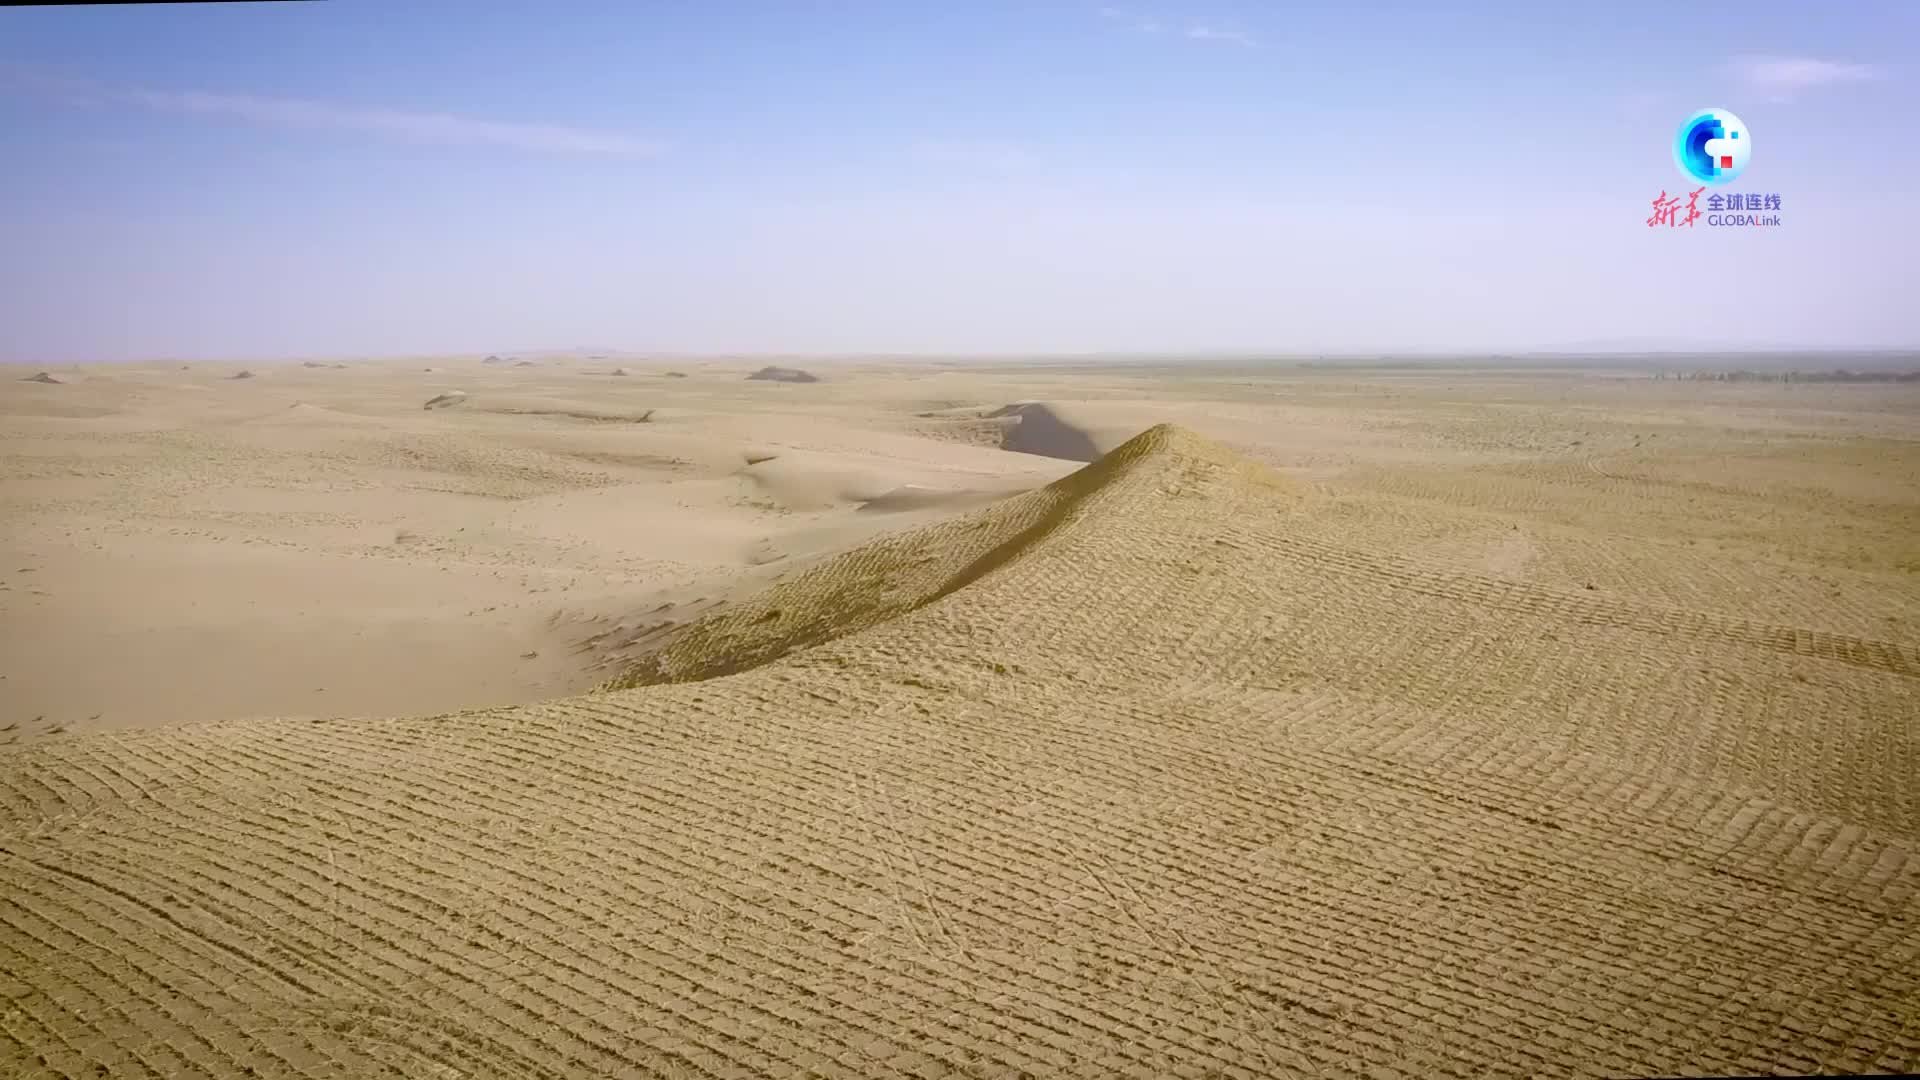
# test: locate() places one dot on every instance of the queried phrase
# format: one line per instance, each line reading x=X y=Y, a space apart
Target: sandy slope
x=178 y=545
x=1180 y=766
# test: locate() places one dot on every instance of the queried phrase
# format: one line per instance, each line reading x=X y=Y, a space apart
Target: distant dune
x=1067 y=431
x=1041 y=430
x=783 y=374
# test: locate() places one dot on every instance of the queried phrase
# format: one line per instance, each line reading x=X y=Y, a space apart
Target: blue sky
x=366 y=177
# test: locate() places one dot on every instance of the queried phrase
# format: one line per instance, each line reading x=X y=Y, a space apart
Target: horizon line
x=611 y=353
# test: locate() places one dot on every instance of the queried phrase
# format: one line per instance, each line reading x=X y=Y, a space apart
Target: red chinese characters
x=1693 y=211
x=1666 y=210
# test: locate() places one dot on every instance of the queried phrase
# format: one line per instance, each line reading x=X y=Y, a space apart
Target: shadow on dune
x=1040 y=430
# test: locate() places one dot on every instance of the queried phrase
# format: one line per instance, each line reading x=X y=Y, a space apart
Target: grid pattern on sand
x=1150 y=778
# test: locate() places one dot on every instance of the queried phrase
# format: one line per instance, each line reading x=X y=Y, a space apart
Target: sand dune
x=320 y=545
x=1162 y=769
x=1503 y=726
x=1039 y=429
x=783 y=374
x=884 y=580
x=1070 y=431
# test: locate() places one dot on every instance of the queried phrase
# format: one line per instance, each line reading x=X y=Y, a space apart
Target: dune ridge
x=1135 y=774
x=897 y=574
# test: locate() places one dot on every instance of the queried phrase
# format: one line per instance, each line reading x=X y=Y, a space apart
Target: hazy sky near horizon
x=362 y=177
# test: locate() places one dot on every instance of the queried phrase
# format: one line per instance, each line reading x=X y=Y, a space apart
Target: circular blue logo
x=1713 y=146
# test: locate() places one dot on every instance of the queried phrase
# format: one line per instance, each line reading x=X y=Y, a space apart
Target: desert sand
x=956 y=720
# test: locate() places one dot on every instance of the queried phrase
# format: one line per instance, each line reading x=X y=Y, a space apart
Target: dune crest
x=897 y=574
